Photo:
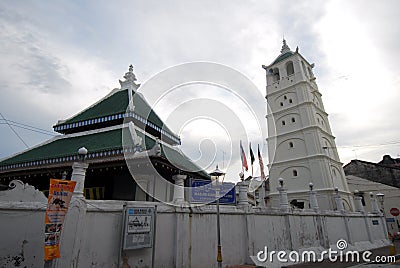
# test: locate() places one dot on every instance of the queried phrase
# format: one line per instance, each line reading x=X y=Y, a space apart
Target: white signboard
x=139 y=223
x=139 y=227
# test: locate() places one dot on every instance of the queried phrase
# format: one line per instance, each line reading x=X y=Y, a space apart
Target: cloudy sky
x=59 y=57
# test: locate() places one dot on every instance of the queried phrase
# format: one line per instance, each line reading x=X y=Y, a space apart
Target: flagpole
x=240 y=149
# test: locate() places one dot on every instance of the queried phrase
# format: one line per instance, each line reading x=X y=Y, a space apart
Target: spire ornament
x=130 y=80
x=130 y=76
x=285 y=47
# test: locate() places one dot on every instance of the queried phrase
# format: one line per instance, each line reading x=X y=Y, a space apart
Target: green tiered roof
x=113 y=108
x=99 y=129
x=100 y=144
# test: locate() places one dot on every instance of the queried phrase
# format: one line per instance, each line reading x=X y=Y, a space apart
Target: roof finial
x=130 y=76
x=130 y=79
x=285 y=47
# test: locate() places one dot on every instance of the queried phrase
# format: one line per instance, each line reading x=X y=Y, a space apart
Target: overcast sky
x=58 y=57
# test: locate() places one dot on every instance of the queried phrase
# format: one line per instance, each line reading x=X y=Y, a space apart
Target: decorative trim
x=68 y=158
x=93 y=121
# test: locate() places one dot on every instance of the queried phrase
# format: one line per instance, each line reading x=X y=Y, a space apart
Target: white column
x=283 y=198
x=78 y=175
x=338 y=200
x=358 y=202
x=243 y=200
x=179 y=188
x=313 y=198
x=374 y=204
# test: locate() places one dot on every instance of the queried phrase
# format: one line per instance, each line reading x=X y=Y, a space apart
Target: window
x=284 y=97
x=294 y=173
x=283 y=122
x=293 y=120
x=276 y=76
x=281 y=103
x=291 y=145
x=289 y=68
x=290 y=101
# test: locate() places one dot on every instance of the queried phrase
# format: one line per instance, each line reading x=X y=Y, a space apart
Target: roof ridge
x=112 y=92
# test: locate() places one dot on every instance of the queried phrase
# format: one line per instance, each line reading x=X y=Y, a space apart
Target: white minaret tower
x=301 y=147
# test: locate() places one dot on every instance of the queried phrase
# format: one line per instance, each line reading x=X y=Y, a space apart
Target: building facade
x=301 y=147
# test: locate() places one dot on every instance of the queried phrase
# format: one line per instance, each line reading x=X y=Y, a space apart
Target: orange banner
x=60 y=194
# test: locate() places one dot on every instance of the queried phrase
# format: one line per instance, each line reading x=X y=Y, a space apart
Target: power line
x=27 y=128
x=26 y=125
x=370 y=145
x=15 y=132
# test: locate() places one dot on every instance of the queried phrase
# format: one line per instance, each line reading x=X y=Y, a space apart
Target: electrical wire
x=15 y=132
x=29 y=126
x=370 y=145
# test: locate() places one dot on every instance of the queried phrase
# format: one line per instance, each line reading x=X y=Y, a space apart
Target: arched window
x=281 y=103
x=294 y=173
x=291 y=145
x=289 y=68
x=284 y=97
x=304 y=68
x=283 y=122
x=293 y=120
x=290 y=101
x=276 y=75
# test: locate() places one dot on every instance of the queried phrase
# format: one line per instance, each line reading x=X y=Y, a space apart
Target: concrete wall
x=391 y=198
x=184 y=237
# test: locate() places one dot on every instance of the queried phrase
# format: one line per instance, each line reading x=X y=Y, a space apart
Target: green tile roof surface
x=117 y=103
x=282 y=57
x=99 y=142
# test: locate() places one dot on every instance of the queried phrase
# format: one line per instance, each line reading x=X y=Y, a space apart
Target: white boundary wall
x=184 y=237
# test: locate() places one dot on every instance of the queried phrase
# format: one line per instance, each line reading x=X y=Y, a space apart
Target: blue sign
x=390 y=220
x=202 y=191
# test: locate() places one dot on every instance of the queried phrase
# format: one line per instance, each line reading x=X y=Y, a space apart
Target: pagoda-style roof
x=100 y=130
x=102 y=145
x=112 y=110
x=286 y=53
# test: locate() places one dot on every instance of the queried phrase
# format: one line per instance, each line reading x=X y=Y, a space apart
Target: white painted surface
x=301 y=146
x=184 y=237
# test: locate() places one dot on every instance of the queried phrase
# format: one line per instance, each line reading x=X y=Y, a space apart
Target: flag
x=243 y=157
x=252 y=158
x=261 y=163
